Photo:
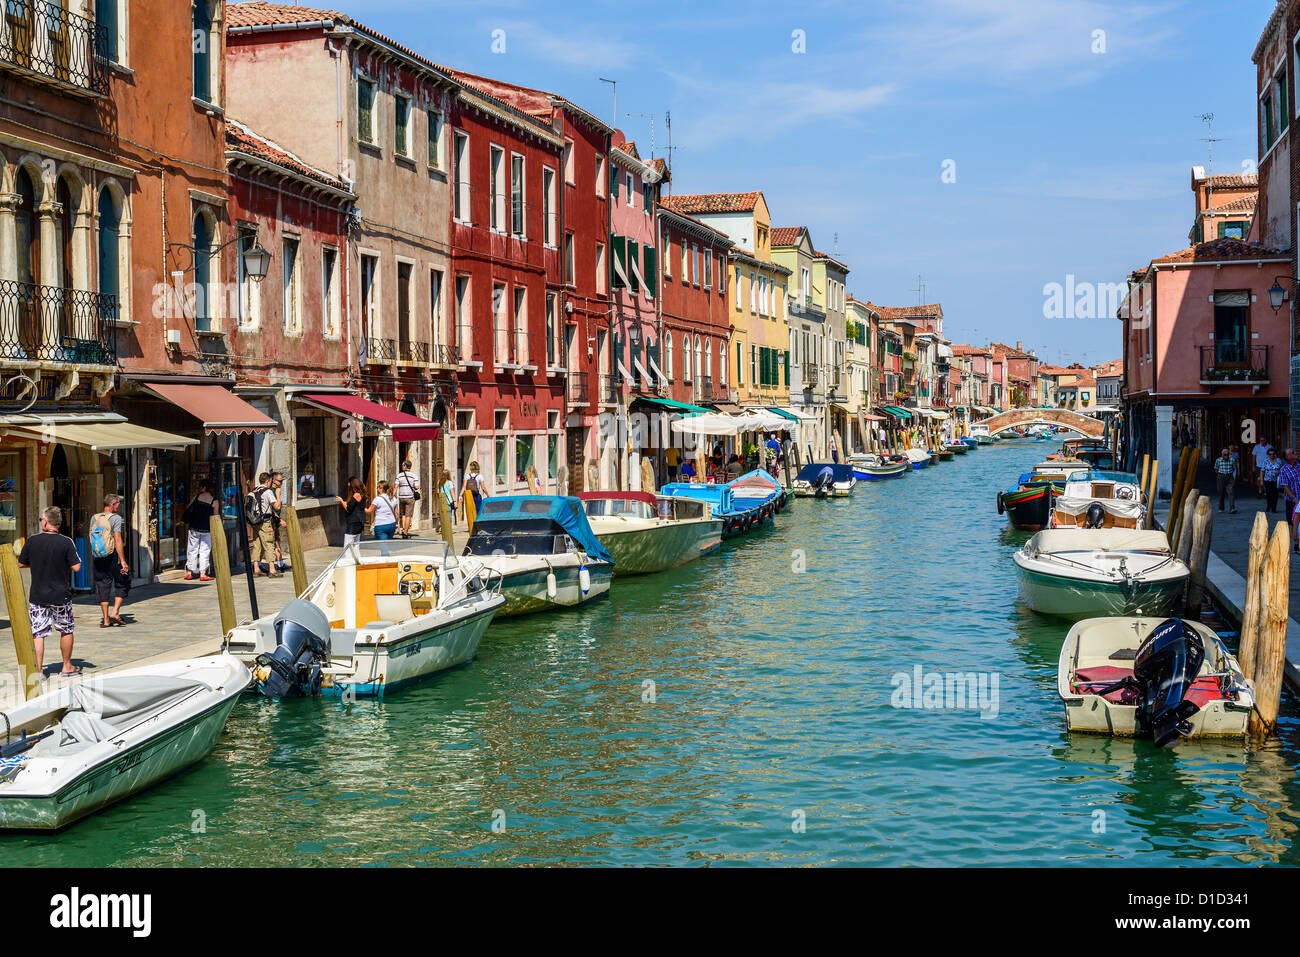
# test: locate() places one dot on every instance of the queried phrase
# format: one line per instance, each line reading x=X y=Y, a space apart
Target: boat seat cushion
x=1203 y=690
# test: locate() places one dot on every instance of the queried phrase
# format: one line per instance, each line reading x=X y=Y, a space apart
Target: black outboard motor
x=821 y=485
x=302 y=636
x=1096 y=515
x=1165 y=667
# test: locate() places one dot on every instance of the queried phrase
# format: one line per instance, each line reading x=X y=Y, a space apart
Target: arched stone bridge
x=1084 y=424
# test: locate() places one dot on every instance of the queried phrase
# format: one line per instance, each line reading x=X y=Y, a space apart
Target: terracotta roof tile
x=1220 y=250
x=1242 y=204
x=259 y=14
x=911 y=312
x=1233 y=180
x=713 y=202
x=831 y=259
x=240 y=139
x=786 y=235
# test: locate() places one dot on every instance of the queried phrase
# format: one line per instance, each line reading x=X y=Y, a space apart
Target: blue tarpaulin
x=565 y=511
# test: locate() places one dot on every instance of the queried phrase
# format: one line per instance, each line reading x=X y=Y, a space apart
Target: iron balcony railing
x=608 y=388
x=414 y=352
x=579 y=393
x=443 y=355
x=712 y=391
x=380 y=351
x=510 y=347
x=811 y=373
x=41 y=40
x=1228 y=363
x=50 y=324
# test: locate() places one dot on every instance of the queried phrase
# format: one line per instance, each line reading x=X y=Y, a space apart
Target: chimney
x=1020 y=346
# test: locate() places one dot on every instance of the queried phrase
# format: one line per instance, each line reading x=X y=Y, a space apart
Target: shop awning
x=670 y=404
x=645 y=375
x=872 y=418
x=716 y=423
x=103 y=436
x=219 y=409
x=663 y=379
x=898 y=413
x=783 y=413
x=938 y=416
x=405 y=428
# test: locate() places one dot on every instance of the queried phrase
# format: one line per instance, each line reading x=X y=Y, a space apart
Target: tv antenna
x=1209 y=139
x=651 y=117
x=920 y=288
x=614 y=104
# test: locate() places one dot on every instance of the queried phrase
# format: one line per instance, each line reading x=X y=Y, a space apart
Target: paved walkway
x=165 y=621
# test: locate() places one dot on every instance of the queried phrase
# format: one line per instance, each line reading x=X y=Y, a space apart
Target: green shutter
x=753 y=364
x=787 y=367
x=613 y=180
x=617 y=252
x=633 y=256
x=651 y=271
x=740 y=364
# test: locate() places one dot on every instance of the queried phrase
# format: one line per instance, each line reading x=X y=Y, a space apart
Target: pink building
x=1204 y=350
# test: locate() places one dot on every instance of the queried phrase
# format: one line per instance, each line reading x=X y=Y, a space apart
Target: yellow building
x=756 y=291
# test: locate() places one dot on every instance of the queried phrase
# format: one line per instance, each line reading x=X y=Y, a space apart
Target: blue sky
x=1066 y=161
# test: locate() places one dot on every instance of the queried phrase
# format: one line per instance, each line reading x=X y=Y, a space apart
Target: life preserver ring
x=1001 y=509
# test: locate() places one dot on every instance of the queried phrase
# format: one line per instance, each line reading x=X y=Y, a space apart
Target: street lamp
x=257 y=261
x=1277 y=294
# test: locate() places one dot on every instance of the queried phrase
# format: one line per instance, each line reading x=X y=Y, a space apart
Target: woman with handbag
x=408 y=493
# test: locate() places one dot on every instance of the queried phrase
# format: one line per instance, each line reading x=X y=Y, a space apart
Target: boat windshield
x=394 y=548
x=536 y=537
x=626 y=507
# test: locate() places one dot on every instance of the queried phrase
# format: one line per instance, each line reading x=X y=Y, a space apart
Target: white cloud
x=574 y=46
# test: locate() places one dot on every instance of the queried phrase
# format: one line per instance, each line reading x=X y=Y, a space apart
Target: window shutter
x=651 y=276
x=787 y=366
x=632 y=258
x=613 y=180
x=617 y=250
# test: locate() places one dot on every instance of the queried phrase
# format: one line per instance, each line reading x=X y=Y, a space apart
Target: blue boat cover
x=841 y=473
x=721 y=497
x=565 y=511
x=1104 y=475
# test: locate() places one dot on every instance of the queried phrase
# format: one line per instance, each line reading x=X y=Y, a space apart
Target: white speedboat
x=1099 y=503
x=980 y=433
x=544 y=550
x=870 y=467
x=77 y=749
x=643 y=533
x=1083 y=573
x=386 y=614
x=1169 y=678
x=824 y=480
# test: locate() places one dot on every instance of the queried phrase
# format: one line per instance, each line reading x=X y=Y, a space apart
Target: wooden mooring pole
x=221 y=571
x=444 y=520
x=1248 y=645
x=20 y=622
x=1180 y=486
x=1271 y=657
x=1202 y=527
x=1146 y=464
x=1184 y=549
x=293 y=531
x=1151 y=493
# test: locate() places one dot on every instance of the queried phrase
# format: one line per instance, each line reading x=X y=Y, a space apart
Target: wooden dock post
x=444 y=520
x=221 y=571
x=1146 y=464
x=20 y=622
x=1151 y=494
x=1180 y=480
x=471 y=513
x=1272 y=631
x=1184 y=548
x=1248 y=645
x=1202 y=527
x=298 y=562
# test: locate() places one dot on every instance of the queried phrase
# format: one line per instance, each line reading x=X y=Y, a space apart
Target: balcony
x=607 y=389
x=510 y=349
x=49 y=45
x=380 y=352
x=802 y=307
x=711 y=391
x=443 y=356
x=50 y=324
x=810 y=374
x=578 y=389
x=413 y=353
x=1229 y=363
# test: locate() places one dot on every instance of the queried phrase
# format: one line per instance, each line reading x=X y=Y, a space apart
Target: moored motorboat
x=1028 y=503
x=1084 y=573
x=956 y=448
x=1099 y=503
x=744 y=504
x=970 y=442
x=382 y=615
x=870 y=467
x=543 y=548
x=918 y=458
x=824 y=480
x=644 y=533
x=80 y=748
x=945 y=454
x=1168 y=678
x=980 y=433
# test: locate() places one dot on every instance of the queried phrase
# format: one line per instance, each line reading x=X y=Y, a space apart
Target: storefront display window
x=11 y=500
x=523 y=456
x=311 y=475
x=502 y=462
x=552 y=456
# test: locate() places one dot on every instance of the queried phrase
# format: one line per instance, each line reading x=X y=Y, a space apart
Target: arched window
x=205 y=41
x=28 y=238
x=722 y=363
x=699 y=366
x=708 y=361
x=668 y=355
x=110 y=237
x=203 y=243
x=686 y=358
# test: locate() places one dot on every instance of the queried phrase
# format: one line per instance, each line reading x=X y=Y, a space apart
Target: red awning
x=219 y=409
x=405 y=428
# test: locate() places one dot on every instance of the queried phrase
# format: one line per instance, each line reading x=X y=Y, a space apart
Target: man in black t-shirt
x=51 y=557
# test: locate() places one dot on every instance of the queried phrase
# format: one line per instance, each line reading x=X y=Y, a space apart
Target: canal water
x=736 y=711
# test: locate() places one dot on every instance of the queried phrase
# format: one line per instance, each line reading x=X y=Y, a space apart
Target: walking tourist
x=385 y=509
x=198 y=517
x=108 y=558
x=1225 y=470
x=1288 y=477
x=474 y=485
x=448 y=492
x=259 y=511
x=673 y=459
x=408 y=493
x=1260 y=455
x=354 y=511
x=1268 y=475
x=53 y=560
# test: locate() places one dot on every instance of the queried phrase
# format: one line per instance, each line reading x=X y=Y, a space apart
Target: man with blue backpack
x=112 y=574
